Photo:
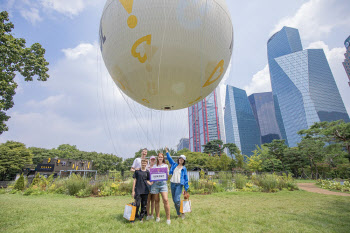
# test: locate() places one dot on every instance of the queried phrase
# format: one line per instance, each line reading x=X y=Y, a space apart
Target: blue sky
x=80 y=104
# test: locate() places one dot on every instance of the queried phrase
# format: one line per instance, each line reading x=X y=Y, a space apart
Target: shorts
x=159 y=187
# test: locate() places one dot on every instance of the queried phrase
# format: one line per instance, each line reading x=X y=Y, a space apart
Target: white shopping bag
x=185 y=206
x=129 y=212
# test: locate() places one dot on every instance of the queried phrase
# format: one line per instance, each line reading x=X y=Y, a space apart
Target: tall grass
x=240 y=181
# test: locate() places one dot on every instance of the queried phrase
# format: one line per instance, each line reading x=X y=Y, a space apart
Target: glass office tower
x=206 y=121
x=241 y=127
x=184 y=143
x=302 y=84
x=265 y=114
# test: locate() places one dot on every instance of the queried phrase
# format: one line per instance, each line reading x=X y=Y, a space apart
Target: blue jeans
x=176 y=190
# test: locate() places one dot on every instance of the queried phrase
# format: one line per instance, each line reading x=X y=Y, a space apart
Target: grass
x=296 y=211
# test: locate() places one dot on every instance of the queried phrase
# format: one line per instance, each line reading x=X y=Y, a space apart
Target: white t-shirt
x=176 y=176
x=137 y=164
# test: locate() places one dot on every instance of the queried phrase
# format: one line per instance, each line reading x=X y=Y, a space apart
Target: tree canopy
x=16 y=57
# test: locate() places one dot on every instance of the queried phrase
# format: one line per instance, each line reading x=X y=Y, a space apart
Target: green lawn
x=297 y=211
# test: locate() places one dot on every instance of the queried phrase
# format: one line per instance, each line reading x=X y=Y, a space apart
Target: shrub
x=19 y=185
x=125 y=188
x=36 y=180
x=268 y=183
x=75 y=183
x=240 y=181
x=33 y=190
x=84 y=192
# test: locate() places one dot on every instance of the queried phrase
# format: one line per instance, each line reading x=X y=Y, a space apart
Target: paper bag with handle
x=130 y=212
x=185 y=206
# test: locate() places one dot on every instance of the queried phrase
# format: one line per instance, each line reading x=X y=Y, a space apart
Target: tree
x=39 y=154
x=232 y=148
x=276 y=149
x=330 y=132
x=13 y=157
x=314 y=151
x=254 y=162
x=240 y=160
x=15 y=57
x=266 y=155
x=296 y=160
x=214 y=147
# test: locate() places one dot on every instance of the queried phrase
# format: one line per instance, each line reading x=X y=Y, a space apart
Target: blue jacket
x=184 y=177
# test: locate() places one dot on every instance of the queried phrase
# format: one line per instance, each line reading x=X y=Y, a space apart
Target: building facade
x=184 y=143
x=205 y=121
x=302 y=83
x=346 y=62
x=241 y=126
x=265 y=115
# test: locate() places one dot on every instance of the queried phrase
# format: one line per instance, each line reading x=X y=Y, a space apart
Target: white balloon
x=166 y=54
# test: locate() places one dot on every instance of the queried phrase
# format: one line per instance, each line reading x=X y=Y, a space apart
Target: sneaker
x=148 y=218
x=183 y=216
x=168 y=221
x=141 y=221
x=151 y=217
x=157 y=219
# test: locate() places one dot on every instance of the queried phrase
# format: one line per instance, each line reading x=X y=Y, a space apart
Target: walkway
x=311 y=187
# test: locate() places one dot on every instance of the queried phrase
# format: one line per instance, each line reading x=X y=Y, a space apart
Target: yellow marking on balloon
x=132 y=21
x=221 y=66
x=200 y=97
x=127 y=4
x=146 y=39
x=145 y=100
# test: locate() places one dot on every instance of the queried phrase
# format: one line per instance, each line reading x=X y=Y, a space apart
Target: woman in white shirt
x=162 y=188
x=179 y=180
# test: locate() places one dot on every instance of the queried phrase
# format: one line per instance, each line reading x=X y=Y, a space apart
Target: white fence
x=193 y=175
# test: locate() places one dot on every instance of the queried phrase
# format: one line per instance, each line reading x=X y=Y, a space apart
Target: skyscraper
x=184 y=143
x=265 y=114
x=346 y=62
x=206 y=121
x=302 y=84
x=241 y=127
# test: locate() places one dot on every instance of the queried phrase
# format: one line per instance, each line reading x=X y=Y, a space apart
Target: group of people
x=146 y=193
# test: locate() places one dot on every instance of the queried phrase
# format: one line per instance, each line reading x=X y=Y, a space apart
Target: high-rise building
x=265 y=114
x=206 y=121
x=241 y=127
x=346 y=62
x=184 y=143
x=302 y=84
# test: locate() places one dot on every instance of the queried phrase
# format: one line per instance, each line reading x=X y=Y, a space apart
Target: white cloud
x=31 y=15
x=335 y=54
x=260 y=82
x=317 y=18
x=66 y=7
x=81 y=50
x=69 y=8
x=49 y=102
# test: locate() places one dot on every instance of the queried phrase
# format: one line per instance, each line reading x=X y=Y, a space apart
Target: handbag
x=130 y=212
x=185 y=206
